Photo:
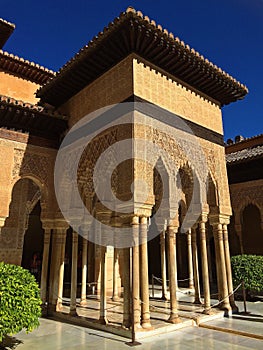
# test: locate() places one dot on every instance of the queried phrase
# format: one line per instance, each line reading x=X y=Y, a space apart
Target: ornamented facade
x=175 y=97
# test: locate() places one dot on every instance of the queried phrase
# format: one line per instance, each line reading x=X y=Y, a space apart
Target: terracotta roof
x=6 y=29
x=134 y=32
x=35 y=120
x=24 y=68
x=6 y=100
x=245 y=155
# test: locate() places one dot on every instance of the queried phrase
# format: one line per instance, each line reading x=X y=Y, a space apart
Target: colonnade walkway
x=53 y=335
x=88 y=315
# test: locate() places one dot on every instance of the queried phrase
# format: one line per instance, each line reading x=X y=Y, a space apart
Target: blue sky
x=227 y=32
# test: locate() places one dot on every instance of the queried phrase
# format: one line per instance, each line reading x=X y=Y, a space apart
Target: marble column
x=103 y=286
x=45 y=261
x=190 y=259
x=195 y=268
x=61 y=240
x=220 y=256
x=115 y=292
x=228 y=269
x=163 y=265
x=83 y=300
x=126 y=288
x=171 y=232
x=218 y=267
x=205 y=272
x=136 y=309
x=145 y=306
x=74 y=267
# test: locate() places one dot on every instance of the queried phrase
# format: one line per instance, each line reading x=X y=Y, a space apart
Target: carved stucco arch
x=43 y=192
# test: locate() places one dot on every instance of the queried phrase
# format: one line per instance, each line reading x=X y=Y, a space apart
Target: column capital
x=144 y=220
x=173 y=223
x=60 y=224
x=203 y=217
x=135 y=220
x=219 y=219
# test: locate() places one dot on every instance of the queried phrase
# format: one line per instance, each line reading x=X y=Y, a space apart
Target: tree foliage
x=19 y=300
x=248 y=268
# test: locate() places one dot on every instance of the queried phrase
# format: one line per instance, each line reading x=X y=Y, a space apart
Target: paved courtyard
x=55 y=335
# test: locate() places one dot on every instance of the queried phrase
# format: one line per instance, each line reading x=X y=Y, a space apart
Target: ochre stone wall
x=157 y=87
x=18 y=88
x=112 y=87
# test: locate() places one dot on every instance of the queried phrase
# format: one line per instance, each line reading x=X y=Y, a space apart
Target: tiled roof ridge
x=27 y=62
x=30 y=106
x=30 y=63
x=7 y=23
x=131 y=12
x=245 y=154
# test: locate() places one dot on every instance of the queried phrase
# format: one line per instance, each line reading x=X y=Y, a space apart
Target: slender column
x=74 y=267
x=174 y=318
x=44 y=272
x=205 y=267
x=209 y=258
x=196 y=268
x=190 y=260
x=115 y=294
x=83 y=300
x=222 y=266
x=218 y=267
x=61 y=250
x=103 y=284
x=145 y=306
x=126 y=288
x=163 y=266
x=228 y=269
x=136 y=275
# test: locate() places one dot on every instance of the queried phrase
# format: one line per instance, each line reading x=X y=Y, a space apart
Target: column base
x=208 y=312
x=234 y=308
x=115 y=298
x=225 y=307
x=126 y=324
x=73 y=312
x=198 y=302
x=146 y=325
x=59 y=307
x=103 y=320
x=174 y=319
x=83 y=302
x=137 y=326
x=165 y=298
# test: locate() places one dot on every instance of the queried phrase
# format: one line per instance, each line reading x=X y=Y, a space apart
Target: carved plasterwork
x=29 y=163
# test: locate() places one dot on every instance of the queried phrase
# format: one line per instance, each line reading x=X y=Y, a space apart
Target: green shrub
x=248 y=268
x=19 y=300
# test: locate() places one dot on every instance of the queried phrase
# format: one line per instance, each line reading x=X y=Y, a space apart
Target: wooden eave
x=130 y=33
x=32 y=119
x=25 y=69
x=6 y=29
